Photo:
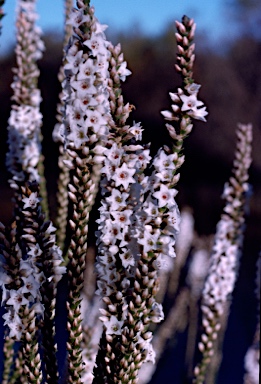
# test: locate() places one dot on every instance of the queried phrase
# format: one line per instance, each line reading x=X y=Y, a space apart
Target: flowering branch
x=64 y=172
x=225 y=256
x=85 y=123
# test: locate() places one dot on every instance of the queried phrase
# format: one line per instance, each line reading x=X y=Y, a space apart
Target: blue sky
x=152 y=16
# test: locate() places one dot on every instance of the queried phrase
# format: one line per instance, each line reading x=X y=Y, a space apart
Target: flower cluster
x=25 y=119
x=85 y=86
x=122 y=176
x=38 y=262
x=186 y=101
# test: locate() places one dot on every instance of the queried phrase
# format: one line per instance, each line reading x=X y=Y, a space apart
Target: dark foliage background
x=230 y=74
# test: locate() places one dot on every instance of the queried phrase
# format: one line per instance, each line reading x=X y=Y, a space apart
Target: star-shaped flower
x=31 y=201
x=165 y=196
x=123 y=176
x=190 y=102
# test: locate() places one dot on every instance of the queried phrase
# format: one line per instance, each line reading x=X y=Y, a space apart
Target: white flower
x=78 y=136
x=86 y=69
x=165 y=196
x=83 y=87
x=150 y=353
x=114 y=154
x=192 y=88
x=103 y=289
x=97 y=45
x=95 y=120
x=123 y=176
x=198 y=114
x=127 y=258
x=77 y=17
x=30 y=286
x=123 y=71
x=149 y=241
x=122 y=217
x=73 y=62
x=16 y=299
x=15 y=325
x=163 y=161
x=113 y=326
x=117 y=199
x=136 y=131
x=31 y=201
x=157 y=313
x=190 y=102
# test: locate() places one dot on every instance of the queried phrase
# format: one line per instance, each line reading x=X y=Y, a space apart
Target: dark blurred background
x=230 y=74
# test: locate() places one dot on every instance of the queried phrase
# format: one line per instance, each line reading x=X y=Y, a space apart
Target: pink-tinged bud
x=85 y=151
x=106 y=300
x=72 y=224
x=191 y=49
x=174 y=97
x=72 y=197
x=178 y=69
x=112 y=308
x=178 y=37
x=185 y=41
x=68 y=164
x=117 y=49
x=180 y=50
x=113 y=72
x=191 y=23
x=113 y=62
x=196 y=371
x=201 y=347
x=180 y=27
x=175 y=108
x=109 y=338
x=120 y=58
x=136 y=285
x=192 y=32
x=147 y=335
x=183 y=61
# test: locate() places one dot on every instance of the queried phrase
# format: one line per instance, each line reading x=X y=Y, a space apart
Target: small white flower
x=86 y=69
x=77 y=18
x=31 y=201
x=157 y=312
x=123 y=71
x=114 y=154
x=127 y=258
x=113 y=326
x=149 y=241
x=95 y=120
x=192 y=88
x=117 y=199
x=16 y=299
x=190 y=102
x=165 y=196
x=122 y=217
x=73 y=62
x=30 y=286
x=97 y=45
x=150 y=353
x=163 y=161
x=78 y=136
x=136 y=131
x=123 y=176
x=198 y=114
x=83 y=87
